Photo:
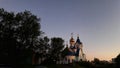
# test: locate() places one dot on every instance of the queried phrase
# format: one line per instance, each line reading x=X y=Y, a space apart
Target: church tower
x=74 y=53
x=80 y=56
x=72 y=42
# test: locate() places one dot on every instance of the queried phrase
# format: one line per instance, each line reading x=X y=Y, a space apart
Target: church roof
x=72 y=40
x=78 y=41
x=67 y=52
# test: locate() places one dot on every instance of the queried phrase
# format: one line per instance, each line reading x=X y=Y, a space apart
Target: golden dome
x=72 y=40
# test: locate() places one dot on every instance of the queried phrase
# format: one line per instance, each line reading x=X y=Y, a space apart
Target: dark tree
x=56 y=47
x=96 y=61
x=18 y=34
x=42 y=49
x=65 y=52
x=117 y=61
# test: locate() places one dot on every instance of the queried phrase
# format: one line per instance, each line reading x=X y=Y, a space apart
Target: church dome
x=72 y=40
x=78 y=40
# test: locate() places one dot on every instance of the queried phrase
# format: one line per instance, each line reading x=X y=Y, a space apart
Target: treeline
x=23 y=42
x=96 y=63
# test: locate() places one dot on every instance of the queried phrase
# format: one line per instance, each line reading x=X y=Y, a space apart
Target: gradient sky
x=96 y=21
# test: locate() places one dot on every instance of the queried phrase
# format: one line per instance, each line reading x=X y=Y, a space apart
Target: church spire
x=78 y=40
x=72 y=40
x=77 y=35
x=71 y=35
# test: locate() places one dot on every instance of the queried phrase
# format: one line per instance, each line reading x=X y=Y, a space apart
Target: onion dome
x=78 y=40
x=72 y=40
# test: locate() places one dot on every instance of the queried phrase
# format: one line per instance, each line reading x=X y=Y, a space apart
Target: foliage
x=42 y=48
x=117 y=61
x=64 y=52
x=18 y=33
x=20 y=37
x=56 y=47
x=54 y=50
x=96 y=61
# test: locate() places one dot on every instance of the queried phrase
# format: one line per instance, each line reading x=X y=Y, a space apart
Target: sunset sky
x=96 y=21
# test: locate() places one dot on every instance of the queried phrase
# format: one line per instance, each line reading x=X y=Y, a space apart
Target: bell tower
x=72 y=41
x=80 y=54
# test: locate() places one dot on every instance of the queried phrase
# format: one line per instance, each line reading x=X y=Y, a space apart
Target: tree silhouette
x=96 y=61
x=18 y=34
x=55 y=49
x=117 y=61
x=42 y=49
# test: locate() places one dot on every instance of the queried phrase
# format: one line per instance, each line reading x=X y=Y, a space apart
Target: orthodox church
x=74 y=53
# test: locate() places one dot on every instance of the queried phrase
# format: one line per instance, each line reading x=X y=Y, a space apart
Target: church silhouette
x=74 y=52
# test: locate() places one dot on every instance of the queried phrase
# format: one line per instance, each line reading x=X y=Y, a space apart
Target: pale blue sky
x=96 y=21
